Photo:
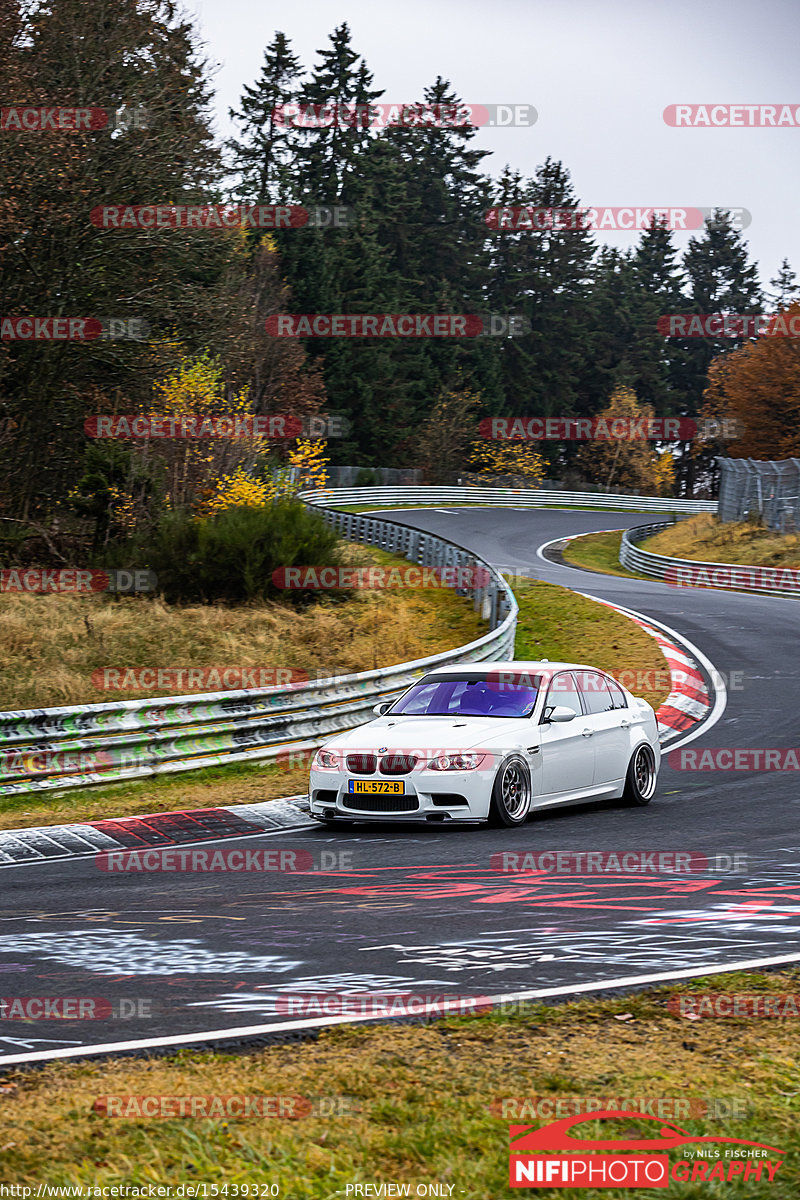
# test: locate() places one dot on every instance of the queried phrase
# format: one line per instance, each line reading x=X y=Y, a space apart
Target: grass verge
x=598 y=552
x=420 y=1104
x=556 y=623
x=212 y=787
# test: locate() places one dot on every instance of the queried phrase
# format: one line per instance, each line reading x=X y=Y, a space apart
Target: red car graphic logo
x=558 y=1136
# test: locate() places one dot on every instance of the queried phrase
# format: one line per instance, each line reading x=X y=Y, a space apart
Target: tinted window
x=595 y=691
x=468 y=696
x=617 y=694
x=563 y=692
x=418 y=700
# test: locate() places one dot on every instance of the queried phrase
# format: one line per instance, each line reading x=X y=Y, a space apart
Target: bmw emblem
x=382 y=749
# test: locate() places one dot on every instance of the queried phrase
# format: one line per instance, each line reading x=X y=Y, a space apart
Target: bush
x=366 y=477
x=231 y=556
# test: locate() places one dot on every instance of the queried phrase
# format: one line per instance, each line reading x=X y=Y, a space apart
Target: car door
x=609 y=733
x=566 y=749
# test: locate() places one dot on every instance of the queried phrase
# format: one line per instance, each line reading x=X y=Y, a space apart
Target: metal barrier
x=48 y=748
x=692 y=572
x=503 y=497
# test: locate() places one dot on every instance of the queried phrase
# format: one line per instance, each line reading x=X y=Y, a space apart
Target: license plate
x=371 y=787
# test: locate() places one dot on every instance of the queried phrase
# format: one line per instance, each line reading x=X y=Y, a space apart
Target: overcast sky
x=599 y=73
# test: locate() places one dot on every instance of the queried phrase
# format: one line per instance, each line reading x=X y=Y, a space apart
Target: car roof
x=537 y=666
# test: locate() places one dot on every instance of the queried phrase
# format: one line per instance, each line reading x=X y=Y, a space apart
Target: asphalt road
x=408 y=909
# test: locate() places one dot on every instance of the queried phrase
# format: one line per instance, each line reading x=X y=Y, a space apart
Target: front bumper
x=429 y=796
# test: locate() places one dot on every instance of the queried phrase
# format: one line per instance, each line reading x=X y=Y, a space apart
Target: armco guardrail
x=634 y=559
x=51 y=748
x=691 y=572
x=503 y=497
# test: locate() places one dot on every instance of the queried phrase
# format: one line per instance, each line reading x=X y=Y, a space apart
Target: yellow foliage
x=507 y=458
x=664 y=473
x=239 y=490
x=123 y=508
x=627 y=464
x=309 y=458
x=194 y=386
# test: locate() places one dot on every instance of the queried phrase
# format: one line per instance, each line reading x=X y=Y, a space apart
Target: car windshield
x=495 y=694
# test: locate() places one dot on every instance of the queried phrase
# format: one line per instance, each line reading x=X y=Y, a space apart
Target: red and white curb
x=690 y=702
x=192 y=827
x=690 y=707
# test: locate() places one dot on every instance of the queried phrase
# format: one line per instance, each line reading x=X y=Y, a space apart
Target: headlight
x=326 y=760
x=456 y=762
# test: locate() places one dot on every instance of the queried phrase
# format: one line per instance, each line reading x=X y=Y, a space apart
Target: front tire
x=642 y=777
x=511 y=793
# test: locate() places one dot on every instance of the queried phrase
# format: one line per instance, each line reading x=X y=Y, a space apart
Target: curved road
x=179 y=956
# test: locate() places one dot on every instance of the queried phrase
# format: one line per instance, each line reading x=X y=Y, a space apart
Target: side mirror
x=380 y=709
x=560 y=714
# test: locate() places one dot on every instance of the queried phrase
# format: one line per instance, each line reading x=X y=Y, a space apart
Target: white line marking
x=246 y=1031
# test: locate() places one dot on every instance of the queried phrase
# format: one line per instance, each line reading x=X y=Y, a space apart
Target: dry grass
x=51 y=644
x=416 y=1100
x=706 y=538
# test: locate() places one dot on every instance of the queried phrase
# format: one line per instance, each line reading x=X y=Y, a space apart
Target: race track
x=219 y=956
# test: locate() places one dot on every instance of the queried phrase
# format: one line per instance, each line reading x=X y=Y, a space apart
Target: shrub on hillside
x=231 y=556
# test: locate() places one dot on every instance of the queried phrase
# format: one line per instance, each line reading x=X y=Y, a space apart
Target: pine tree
x=263 y=155
x=784 y=288
x=545 y=274
x=720 y=279
x=631 y=291
x=328 y=154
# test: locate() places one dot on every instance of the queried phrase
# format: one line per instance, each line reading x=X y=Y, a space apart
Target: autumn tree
x=633 y=464
x=759 y=386
x=442 y=442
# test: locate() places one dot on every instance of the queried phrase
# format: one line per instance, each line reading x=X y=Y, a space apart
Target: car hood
x=435 y=733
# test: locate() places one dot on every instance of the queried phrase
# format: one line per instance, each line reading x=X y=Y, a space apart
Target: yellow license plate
x=372 y=787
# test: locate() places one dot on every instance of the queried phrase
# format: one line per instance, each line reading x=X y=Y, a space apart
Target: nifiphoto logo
x=570 y=1153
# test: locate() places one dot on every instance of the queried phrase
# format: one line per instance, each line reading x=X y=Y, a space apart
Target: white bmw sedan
x=491 y=742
